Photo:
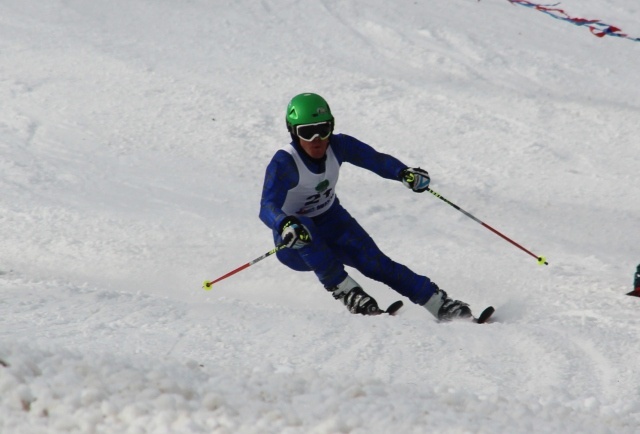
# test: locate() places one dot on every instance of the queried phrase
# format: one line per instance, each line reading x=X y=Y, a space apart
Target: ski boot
x=354 y=298
x=445 y=308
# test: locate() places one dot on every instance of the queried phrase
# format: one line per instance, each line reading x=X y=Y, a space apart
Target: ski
x=397 y=305
x=484 y=316
x=394 y=307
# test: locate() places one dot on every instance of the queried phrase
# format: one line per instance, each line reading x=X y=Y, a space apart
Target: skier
x=300 y=205
x=636 y=283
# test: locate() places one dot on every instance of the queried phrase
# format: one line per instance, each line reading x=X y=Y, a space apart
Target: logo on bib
x=322 y=186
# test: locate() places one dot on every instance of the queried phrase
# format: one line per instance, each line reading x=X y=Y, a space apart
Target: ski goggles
x=309 y=132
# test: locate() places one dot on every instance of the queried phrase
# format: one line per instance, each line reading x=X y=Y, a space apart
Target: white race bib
x=314 y=193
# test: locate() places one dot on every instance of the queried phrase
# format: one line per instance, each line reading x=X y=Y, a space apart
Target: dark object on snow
x=636 y=284
x=485 y=315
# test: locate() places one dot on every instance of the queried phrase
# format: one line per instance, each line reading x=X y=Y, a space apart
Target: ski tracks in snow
x=251 y=363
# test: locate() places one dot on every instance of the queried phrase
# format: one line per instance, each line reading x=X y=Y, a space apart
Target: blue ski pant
x=339 y=240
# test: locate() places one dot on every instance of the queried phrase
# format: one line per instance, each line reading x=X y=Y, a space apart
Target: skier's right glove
x=416 y=179
x=294 y=234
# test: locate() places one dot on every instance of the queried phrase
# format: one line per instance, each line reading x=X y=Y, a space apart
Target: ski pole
x=541 y=259
x=208 y=283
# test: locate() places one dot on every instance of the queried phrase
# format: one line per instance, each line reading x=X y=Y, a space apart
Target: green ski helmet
x=307 y=108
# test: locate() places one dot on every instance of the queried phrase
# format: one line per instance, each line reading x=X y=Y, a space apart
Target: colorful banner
x=597 y=27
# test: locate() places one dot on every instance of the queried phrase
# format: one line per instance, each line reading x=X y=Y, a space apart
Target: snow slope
x=133 y=141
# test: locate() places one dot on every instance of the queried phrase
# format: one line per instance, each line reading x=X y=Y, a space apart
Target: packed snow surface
x=133 y=141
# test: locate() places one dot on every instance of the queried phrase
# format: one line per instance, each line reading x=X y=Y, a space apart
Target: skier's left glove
x=294 y=234
x=416 y=179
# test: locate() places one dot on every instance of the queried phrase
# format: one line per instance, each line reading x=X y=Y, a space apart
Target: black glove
x=294 y=234
x=416 y=179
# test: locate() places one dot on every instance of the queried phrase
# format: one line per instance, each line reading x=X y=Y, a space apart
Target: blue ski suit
x=337 y=238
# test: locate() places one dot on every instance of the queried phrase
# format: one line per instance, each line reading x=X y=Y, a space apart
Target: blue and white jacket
x=296 y=184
